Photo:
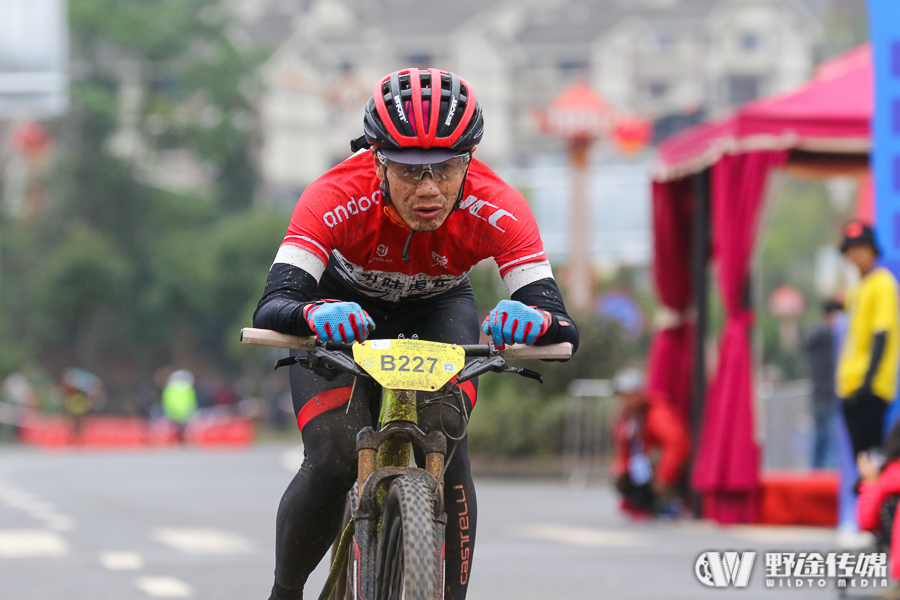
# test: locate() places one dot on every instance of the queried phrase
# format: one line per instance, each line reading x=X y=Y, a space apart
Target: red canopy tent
x=708 y=186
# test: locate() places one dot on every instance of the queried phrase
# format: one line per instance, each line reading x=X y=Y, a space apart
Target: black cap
x=832 y=305
x=857 y=233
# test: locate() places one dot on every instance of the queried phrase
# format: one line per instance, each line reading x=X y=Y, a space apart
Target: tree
x=121 y=268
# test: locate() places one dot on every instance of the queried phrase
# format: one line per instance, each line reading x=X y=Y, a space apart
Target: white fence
x=784 y=418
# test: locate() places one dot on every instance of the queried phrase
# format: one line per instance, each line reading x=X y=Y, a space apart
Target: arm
x=670 y=435
x=884 y=305
x=298 y=265
x=519 y=254
x=288 y=290
x=620 y=449
x=871 y=496
x=879 y=341
x=545 y=295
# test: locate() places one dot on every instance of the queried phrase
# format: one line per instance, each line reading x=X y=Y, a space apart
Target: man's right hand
x=341 y=322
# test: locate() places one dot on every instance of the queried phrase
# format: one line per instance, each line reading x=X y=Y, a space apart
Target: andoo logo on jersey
x=342 y=212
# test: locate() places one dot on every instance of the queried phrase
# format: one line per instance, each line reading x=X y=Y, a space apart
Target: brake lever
x=525 y=373
x=480 y=366
x=317 y=366
x=339 y=361
x=325 y=363
x=288 y=361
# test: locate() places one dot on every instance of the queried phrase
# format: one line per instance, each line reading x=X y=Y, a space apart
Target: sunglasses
x=440 y=172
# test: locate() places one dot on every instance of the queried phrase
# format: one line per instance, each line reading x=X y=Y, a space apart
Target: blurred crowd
x=173 y=395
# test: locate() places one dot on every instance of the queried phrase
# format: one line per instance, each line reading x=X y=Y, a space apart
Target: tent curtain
x=727 y=465
x=670 y=365
x=671 y=352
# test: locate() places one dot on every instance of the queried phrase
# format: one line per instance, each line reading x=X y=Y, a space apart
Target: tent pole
x=701 y=246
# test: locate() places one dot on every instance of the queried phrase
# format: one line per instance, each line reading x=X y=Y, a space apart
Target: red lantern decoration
x=30 y=139
x=631 y=134
x=577 y=113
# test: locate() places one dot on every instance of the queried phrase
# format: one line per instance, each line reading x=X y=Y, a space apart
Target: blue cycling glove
x=342 y=322
x=515 y=323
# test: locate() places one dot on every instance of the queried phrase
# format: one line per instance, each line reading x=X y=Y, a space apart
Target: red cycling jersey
x=341 y=215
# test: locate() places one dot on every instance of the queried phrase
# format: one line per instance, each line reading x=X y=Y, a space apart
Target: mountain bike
x=392 y=544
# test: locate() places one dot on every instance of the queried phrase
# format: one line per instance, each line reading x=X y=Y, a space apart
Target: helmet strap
x=462 y=188
x=385 y=191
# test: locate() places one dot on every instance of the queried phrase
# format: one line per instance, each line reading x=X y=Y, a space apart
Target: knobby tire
x=408 y=562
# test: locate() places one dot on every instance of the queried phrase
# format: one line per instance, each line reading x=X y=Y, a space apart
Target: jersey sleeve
x=299 y=262
x=309 y=239
x=519 y=252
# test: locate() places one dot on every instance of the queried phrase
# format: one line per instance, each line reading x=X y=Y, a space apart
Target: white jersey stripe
x=310 y=240
x=521 y=276
x=518 y=260
x=300 y=258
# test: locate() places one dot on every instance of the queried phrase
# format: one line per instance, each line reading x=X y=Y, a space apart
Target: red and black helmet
x=423 y=116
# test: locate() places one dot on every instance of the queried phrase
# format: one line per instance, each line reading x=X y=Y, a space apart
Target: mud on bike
x=392 y=542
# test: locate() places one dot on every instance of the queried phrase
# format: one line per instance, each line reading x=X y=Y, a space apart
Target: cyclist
x=382 y=242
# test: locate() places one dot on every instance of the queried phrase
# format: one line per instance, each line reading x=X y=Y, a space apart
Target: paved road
x=199 y=524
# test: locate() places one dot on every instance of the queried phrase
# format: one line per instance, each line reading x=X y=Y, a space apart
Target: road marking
x=292 y=458
x=577 y=536
x=36 y=508
x=121 y=560
x=202 y=541
x=31 y=543
x=164 y=587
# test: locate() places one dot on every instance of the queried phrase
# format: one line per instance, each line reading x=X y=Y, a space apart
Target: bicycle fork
x=384 y=455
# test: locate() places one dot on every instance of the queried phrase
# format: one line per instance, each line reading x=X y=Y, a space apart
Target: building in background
x=33 y=59
x=33 y=85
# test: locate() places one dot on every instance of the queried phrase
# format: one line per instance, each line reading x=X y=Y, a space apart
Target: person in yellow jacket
x=867 y=368
x=179 y=400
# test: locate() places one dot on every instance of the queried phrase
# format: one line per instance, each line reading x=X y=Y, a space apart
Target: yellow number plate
x=409 y=364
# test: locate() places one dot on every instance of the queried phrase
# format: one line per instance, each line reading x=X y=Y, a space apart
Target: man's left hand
x=512 y=322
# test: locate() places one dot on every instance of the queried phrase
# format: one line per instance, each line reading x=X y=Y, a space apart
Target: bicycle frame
x=383 y=456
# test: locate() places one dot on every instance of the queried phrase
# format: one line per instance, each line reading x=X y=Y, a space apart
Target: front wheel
x=409 y=562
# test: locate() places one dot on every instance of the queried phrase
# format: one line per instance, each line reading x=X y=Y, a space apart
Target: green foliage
x=505 y=423
x=518 y=417
x=81 y=276
x=117 y=273
x=153 y=29
x=196 y=84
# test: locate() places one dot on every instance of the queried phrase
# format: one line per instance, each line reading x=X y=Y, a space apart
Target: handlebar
x=267 y=337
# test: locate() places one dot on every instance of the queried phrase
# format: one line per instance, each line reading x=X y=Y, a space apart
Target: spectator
x=867 y=369
x=651 y=448
x=879 y=492
x=179 y=401
x=819 y=344
x=82 y=392
x=17 y=396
